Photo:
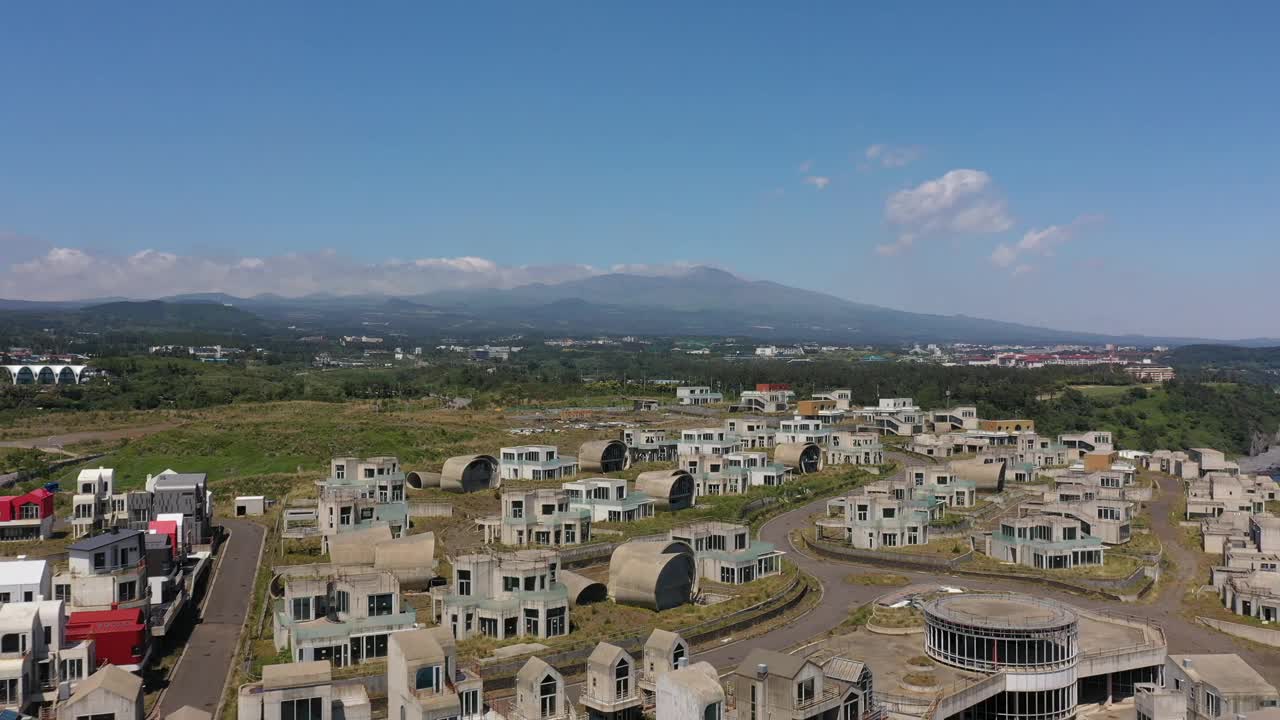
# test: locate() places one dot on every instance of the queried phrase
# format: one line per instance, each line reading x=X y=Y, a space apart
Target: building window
x=428 y=678
x=343 y=601
x=72 y=669
x=622 y=679
x=99 y=560
x=713 y=712
x=464 y=582
x=62 y=592
x=381 y=604
x=303 y=709
x=804 y=691
x=366 y=513
x=301 y=609
x=547 y=696
x=1212 y=704
x=30 y=512
x=470 y=703
x=555 y=622
x=11 y=643
x=128 y=590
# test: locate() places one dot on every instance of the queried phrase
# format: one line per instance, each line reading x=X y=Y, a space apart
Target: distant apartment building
x=540 y=517
x=28 y=516
x=854 y=448
x=726 y=553
x=505 y=595
x=341 y=617
x=697 y=395
x=608 y=500
x=1151 y=373
x=97 y=505
x=1080 y=444
x=536 y=462
x=359 y=494
x=959 y=418
x=1045 y=542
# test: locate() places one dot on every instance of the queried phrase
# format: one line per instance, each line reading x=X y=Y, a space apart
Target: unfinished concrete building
x=692 y=692
x=726 y=553
x=663 y=652
x=653 y=575
x=463 y=474
x=540 y=693
x=612 y=691
x=426 y=682
x=505 y=595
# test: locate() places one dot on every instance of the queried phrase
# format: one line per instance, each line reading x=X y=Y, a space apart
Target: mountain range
x=701 y=302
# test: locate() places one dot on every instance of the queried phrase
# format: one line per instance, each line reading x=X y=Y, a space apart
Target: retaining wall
x=1248 y=632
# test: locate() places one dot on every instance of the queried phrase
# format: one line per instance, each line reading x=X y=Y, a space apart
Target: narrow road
x=197 y=680
x=839 y=596
x=55 y=443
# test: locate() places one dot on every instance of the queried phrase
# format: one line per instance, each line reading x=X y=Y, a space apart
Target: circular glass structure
x=1001 y=633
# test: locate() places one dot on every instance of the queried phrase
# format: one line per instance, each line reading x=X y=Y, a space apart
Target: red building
x=170 y=528
x=772 y=387
x=29 y=516
x=120 y=637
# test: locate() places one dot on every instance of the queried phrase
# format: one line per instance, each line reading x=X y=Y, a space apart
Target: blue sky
x=1108 y=166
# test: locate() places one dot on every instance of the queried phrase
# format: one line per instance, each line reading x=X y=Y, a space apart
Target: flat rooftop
x=984 y=610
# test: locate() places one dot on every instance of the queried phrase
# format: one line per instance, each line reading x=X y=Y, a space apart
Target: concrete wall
x=1249 y=632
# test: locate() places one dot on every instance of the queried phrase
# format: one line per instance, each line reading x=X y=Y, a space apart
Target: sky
x=1095 y=166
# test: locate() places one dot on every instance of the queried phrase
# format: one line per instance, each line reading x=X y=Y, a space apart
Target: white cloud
x=893 y=156
x=71 y=273
x=1039 y=241
x=818 y=181
x=961 y=202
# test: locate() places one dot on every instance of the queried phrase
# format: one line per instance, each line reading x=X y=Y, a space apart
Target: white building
x=25 y=581
x=608 y=500
x=697 y=395
x=536 y=462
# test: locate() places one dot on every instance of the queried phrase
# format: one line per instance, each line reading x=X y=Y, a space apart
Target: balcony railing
x=827 y=695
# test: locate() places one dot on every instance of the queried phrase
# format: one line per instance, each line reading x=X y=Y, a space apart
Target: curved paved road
x=840 y=597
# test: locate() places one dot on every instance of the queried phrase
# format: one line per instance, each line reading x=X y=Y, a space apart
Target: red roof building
x=25 y=517
x=120 y=637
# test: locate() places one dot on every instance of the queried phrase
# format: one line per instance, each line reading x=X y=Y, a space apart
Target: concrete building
x=726 y=553
x=854 y=448
x=250 y=505
x=671 y=490
x=38 y=663
x=539 y=517
x=653 y=575
x=649 y=444
x=1216 y=493
x=108 y=694
x=28 y=516
x=891 y=416
x=185 y=494
x=612 y=691
x=540 y=693
x=359 y=494
x=344 y=618
x=697 y=395
x=104 y=572
x=769 y=685
x=800 y=431
x=768 y=400
x=1082 y=443
x=608 y=500
x=603 y=456
x=842 y=397
x=506 y=595
x=301 y=691
x=692 y=692
x=1046 y=542
x=741 y=471
x=1152 y=702
x=701 y=451
x=536 y=462
x=1218 y=686
x=426 y=682
x=664 y=651
x=883 y=515
x=1256 y=594
x=754 y=433
x=1107 y=520
x=462 y=474
x=25 y=581
x=943 y=481
x=92 y=500
x=961 y=417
